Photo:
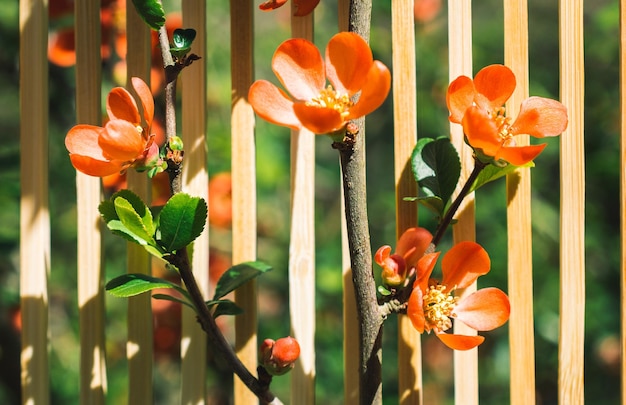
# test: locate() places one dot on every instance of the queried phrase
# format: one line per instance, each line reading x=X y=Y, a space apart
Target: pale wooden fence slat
x=195 y=182
x=572 y=322
x=90 y=267
x=622 y=53
x=520 y=281
x=34 y=211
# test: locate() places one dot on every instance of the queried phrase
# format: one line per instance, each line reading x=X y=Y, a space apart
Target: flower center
x=330 y=98
x=438 y=308
x=504 y=124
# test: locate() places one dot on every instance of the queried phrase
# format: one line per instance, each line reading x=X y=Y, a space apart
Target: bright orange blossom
x=322 y=109
x=478 y=105
x=432 y=304
x=123 y=142
x=410 y=248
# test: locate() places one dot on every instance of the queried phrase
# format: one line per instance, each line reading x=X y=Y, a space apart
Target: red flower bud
x=278 y=356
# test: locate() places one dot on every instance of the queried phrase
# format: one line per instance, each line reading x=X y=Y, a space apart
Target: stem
x=181 y=258
x=352 y=158
x=447 y=219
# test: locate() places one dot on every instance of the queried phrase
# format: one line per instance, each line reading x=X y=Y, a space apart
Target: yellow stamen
x=329 y=98
x=438 y=308
x=504 y=124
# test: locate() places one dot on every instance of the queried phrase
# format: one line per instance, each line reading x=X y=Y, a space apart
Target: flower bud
x=278 y=356
x=394 y=267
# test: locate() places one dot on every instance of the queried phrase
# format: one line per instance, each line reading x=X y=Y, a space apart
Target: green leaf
x=436 y=167
x=152 y=12
x=129 y=285
x=493 y=172
x=383 y=291
x=224 y=307
x=182 y=41
x=237 y=276
x=181 y=221
x=133 y=222
x=432 y=203
x=166 y=297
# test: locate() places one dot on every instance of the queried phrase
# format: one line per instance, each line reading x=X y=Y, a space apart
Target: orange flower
x=303 y=7
x=299 y=66
x=478 y=105
x=123 y=142
x=432 y=304
x=411 y=247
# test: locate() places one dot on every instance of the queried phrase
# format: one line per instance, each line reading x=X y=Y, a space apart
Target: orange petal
x=481 y=131
x=460 y=342
x=121 y=141
x=463 y=263
x=145 y=96
x=318 y=119
x=382 y=253
x=300 y=68
x=348 y=62
x=485 y=309
x=374 y=92
x=415 y=309
x=304 y=7
x=272 y=104
x=271 y=5
x=412 y=245
x=519 y=155
x=460 y=97
x=93 y=167
x=83 y=140
x=425 y=267
x=122 y=106
x=496 y=83
x=540 y=117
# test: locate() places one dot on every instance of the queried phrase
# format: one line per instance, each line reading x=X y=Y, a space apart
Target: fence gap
x=34 y=211
x=519 y=226
x=622 y=53
x=139 y=348
x=90 y=267
x=405 y=137
x=460 y=51
x=195 y=182
x=244 y=186
x=302 y=245
x=572 y=250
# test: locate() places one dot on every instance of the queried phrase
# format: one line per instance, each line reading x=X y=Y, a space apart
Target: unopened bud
x=278 y=357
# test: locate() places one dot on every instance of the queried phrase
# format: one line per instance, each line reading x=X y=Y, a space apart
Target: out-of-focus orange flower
x=426 y=10
x=303 y=7
x=221 y=200
x=432 y=304
x=479 y=106
x=397 y=266
x=125 y=141
x=322 y=109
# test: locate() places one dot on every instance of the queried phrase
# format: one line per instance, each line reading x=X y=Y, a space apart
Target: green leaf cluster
x=151 y=11
x=182 y=42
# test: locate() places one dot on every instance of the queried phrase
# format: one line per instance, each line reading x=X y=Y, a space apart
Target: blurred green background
x=602 y=162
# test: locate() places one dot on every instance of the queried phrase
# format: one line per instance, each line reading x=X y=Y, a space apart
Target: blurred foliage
x=602 y=161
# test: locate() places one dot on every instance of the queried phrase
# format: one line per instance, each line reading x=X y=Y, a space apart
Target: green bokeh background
x=602 y=162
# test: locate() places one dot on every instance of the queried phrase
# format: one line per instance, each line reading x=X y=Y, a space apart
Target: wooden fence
x=35 y=222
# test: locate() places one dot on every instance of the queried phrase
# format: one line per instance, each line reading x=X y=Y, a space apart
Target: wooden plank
x=244 y=187
x=34 y=211
x=405 y=137
x=519 y=227
x=460 y=51
x=622 y=22
x=93 y=379
x=196 y=183
x=572 y=250
x=302 y=245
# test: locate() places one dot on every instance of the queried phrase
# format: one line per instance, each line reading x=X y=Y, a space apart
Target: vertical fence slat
x=572 y=322
x=93 y=379
x=622 y=26
x=460 y=49
x=405 y=138
x=520 y=283
x=195 y=182
x=34 y=213
x=244 y=186
x=140 y=340
x=302 y=245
